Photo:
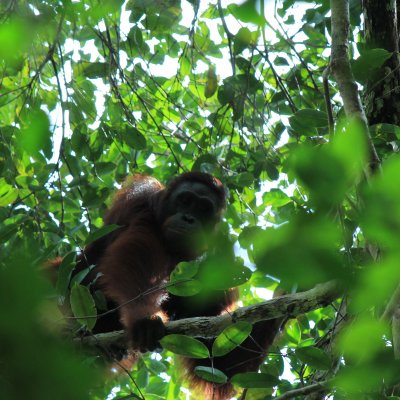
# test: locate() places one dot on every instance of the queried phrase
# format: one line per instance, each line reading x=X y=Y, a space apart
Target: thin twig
x=304 y=391
x=328 y=103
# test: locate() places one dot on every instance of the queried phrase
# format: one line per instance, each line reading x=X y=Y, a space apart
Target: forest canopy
x=293 y=105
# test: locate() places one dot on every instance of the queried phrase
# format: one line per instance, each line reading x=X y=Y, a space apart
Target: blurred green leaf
x=363 y=339
x=381 y=214
x=248 y=12
x=15 y=37
x=35 y=135
x=380 y=279
x=314 y=357
x=312 y=258
x=29 y=333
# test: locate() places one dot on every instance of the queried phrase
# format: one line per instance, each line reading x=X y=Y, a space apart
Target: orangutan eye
x=205 y=207
x=186 y=199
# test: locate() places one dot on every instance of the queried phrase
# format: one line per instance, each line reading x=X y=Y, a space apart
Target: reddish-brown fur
x=135 y=263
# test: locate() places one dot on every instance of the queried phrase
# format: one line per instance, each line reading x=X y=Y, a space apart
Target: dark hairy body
x=160 y=227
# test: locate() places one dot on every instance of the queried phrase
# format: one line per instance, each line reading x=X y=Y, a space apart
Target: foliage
x=94 y=91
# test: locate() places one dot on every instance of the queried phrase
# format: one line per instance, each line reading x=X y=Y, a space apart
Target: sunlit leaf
x=231 y=337
x=212 y=82
x=244 y=39
x=248 y=12
x=363 y=339
x=8 y=194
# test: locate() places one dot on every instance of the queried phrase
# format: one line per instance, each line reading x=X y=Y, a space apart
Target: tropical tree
x=293 y=105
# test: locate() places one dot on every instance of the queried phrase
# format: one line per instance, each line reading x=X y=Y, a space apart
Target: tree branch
x=341 y=70
x=303 y=391
x=289 y=305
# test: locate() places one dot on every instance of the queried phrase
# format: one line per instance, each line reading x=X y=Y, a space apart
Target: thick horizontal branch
x=290 y=306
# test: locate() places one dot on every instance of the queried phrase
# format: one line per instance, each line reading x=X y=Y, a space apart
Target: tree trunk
x=382 y=91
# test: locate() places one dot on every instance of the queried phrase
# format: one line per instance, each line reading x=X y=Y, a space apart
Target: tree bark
x=381 y=98
x=341 y=70
x=288 y=306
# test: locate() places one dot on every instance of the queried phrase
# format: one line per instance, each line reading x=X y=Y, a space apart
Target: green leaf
x=368 y=62
x=94 y=70
x=136 y=37
x=184 y=270
x=254 y=380
x=231 y=337
x=35 y=136
x=8 y=194
x=244 y=179
x=211 y=374
x=281 y=61
x=15 y=37
x=134 y=139
x=312 y=257
x=226 y=93
x=83 y=306
x=247 y=12
x=325 y=180
x=185 y=287
x=64 y=274
x=105 y=230
x=311 y=118
x=104 y=168
x=81 y=275
x=363 y=340
x=314 y=357
x=387 y=132
x=381 y=281
x=212 y=82
x=275 y=198
x=272 y=171
x=185 y=346
x=185 y=66
x=243 y=39
x=381 y=213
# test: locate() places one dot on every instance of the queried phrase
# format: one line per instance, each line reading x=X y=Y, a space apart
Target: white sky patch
x=262 y=293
